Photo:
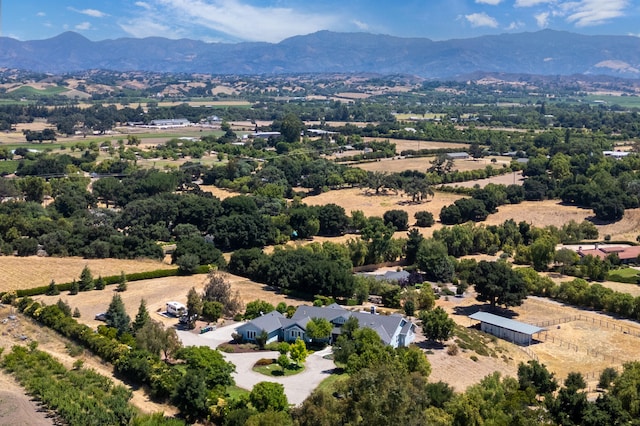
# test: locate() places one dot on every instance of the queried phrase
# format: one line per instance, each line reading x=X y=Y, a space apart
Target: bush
x=424 y=219
x=265 y=361
x=453 y=350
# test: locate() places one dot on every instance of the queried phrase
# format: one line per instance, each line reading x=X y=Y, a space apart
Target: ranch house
x=394 y=330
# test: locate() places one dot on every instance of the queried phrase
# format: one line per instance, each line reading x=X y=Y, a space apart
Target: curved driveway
x=297 y=387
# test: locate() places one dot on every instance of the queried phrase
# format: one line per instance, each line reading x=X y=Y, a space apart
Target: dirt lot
x=34 y=271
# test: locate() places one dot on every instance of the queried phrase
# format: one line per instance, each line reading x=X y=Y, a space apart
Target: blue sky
x=275 y=20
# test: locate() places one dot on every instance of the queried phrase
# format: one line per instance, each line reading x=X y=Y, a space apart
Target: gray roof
x=506 y=323
x=384 y=325
x=267 y=322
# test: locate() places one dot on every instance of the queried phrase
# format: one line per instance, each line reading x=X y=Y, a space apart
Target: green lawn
x=236 y=393
x=8 y=166
x=275 y=370
x=330 y=382
x=624 y=275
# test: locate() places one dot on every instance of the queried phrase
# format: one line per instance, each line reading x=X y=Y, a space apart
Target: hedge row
x=114 y=279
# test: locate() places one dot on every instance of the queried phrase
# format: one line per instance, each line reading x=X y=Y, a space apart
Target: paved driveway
x=297 y=387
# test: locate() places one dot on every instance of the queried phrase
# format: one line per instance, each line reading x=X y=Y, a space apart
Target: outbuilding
x=516 y=332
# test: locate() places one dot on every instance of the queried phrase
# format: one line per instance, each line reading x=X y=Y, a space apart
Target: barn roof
x=506 y=323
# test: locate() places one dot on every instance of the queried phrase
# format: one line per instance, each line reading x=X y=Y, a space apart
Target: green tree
x=542 y=251
x=100 y=283
x=436 y=324
x=194 y=307
x=191 y=396
x=212 y=311
x=122 y=282
x=268 y=395
x=298 y=352
x=291 y=128
x=257 y=308
x=117 y=316
x=319 y=329
x=86 y=279
x=75 y=287
x=536 y=376
x=498 y=284
x=142 y=317
x=283 y=361
x=52 y=290
x=424 y=219
x=607 y=377
x=399 y=219
x=433 y=259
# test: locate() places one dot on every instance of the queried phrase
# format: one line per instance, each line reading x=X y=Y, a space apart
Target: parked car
x=102 y=316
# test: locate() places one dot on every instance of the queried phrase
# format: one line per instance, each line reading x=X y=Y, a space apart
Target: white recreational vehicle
x=176 y=309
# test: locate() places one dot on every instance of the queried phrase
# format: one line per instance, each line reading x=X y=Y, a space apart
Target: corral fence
x=596 y=321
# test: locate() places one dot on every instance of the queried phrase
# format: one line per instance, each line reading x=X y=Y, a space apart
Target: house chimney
x=596 y=246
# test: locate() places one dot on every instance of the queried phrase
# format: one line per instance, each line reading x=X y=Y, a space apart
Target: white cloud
x=515 y=25
x=143 y=5
x=83 y=26
x=94 y=13
x=234 y=18
x=542 y=19
x=362 y=26
x=530 y=3
x=491 y=2
x=141 y=28
x=41 y=14
x=595 y=12
x=481 y=20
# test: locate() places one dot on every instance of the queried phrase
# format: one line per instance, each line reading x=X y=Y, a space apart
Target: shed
x=458 y=155
x=514 y=331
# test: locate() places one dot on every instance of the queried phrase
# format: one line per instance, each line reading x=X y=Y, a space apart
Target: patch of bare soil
x=17 y=408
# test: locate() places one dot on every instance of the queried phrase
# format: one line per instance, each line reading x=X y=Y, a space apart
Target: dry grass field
x=375 y=205
x=393 y=165
x=404 y=144
x=34 y=271
x=158 y=292
x=553 y=212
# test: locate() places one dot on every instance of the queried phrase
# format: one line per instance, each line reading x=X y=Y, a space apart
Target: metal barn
x=514 y=331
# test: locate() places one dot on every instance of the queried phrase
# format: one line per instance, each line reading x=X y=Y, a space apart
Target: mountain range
x=545 y=52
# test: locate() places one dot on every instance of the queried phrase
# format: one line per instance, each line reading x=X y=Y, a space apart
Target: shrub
x=265 y=361
x=424 y=219
x=453 y=350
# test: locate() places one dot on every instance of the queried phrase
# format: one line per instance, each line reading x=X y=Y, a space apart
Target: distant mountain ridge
x=546 y=52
